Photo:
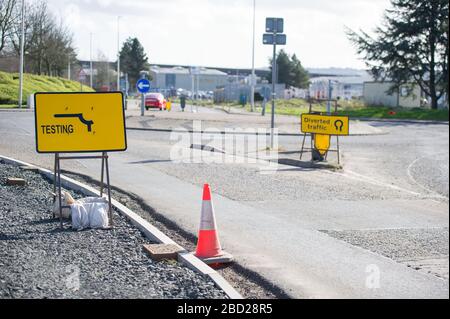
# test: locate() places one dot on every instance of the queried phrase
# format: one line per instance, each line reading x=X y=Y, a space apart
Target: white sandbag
x=80 y=217
x=94 y=213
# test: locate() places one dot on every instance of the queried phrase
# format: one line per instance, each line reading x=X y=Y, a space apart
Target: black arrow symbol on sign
x=80 y=117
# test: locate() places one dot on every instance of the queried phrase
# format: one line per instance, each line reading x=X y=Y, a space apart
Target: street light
x=91 y=72
x=118 y=53
x=22 y=47
x=252 y=91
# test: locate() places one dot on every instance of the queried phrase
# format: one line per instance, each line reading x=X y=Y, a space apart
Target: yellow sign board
x=79 y=122
x=325 y=124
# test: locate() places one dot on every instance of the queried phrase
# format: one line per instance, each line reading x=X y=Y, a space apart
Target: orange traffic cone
x=208 y=245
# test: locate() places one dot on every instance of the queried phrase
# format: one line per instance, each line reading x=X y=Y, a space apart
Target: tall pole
x=192 y=86
x=274 y=76
x=91 y=68
x=330 y=89
x=198 y=88
x=252 y=91
x=68 y=69
x=22 y=51
x=118 y=53
x=143 y=76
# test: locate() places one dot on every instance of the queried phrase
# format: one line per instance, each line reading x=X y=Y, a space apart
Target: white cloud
x=219 y=32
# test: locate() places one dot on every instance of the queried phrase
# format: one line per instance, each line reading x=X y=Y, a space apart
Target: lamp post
x=91 y=80
x=22 y=51
x=252 y=91
x=118 y=53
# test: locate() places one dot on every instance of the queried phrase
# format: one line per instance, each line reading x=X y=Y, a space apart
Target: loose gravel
x=38 y=260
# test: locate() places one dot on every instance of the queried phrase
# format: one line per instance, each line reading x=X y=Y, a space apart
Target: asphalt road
x=314 y=233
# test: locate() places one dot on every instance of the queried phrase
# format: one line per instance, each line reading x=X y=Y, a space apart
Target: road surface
x=376 y=229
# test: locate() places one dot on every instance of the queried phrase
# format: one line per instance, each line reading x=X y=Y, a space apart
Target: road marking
x=363 y=178
x=408 y=172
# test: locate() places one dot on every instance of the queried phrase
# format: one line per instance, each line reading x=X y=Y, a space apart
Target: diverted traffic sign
x=80 y=122
x=325 y=124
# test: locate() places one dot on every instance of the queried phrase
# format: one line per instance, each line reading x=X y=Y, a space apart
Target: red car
x=155 y=100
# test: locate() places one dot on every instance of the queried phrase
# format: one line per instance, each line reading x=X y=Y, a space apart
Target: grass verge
x=354 y=109
x=9 y=86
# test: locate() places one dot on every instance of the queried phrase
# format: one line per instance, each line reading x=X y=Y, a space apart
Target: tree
x=8 y=18
x=290 y=71
x=58 y=50
x=104 y=73
x=300 y=75
x=48 y=44
x=411 y=46
x=133 y=59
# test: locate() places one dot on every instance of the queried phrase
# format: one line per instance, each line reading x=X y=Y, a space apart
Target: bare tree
x=37 y=26
x=104 y=73
x=48 y=43
x=8 y=18
x=59 y=50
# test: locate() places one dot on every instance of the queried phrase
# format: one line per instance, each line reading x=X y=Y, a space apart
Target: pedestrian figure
x=182 y=102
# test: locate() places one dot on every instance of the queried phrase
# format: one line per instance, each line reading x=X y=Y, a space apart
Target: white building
x=182 y=78
x=343 y=87
x=376 y=94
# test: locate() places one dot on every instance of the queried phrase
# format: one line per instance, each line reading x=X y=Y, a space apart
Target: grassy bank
x=9 y=87
x=354 y=109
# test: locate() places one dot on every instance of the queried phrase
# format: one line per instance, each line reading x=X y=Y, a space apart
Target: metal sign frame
x=312 y=135
x=57 y=183
x=79 y=151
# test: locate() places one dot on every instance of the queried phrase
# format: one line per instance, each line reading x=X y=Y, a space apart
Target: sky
x=219 y=32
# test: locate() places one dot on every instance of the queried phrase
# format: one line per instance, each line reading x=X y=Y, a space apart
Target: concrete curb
x=144 y=226
x=406 y=121
x=17 y=110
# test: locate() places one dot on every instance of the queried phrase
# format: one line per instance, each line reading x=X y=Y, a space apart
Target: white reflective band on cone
x=207 y=221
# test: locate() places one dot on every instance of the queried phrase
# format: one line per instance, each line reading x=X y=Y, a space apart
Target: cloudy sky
x=219 y=32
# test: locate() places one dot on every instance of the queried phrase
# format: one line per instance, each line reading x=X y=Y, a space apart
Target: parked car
x=155 y=100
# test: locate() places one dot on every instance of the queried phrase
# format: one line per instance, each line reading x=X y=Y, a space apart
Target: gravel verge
x=423 y=249
x=38 y=260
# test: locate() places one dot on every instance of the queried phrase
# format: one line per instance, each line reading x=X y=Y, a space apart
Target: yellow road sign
x=325 y=124
x=79 y=122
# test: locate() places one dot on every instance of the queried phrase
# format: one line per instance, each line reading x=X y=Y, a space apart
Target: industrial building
x=178 y=77
x=343 y=86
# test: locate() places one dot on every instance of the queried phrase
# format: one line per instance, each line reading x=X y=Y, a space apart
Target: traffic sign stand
x=57 y=182
x=80 y=123
x=313 y=135
x=275 y=27
x=143 y=86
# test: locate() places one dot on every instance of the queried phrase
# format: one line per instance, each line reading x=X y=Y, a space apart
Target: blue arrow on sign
x=143 y=85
